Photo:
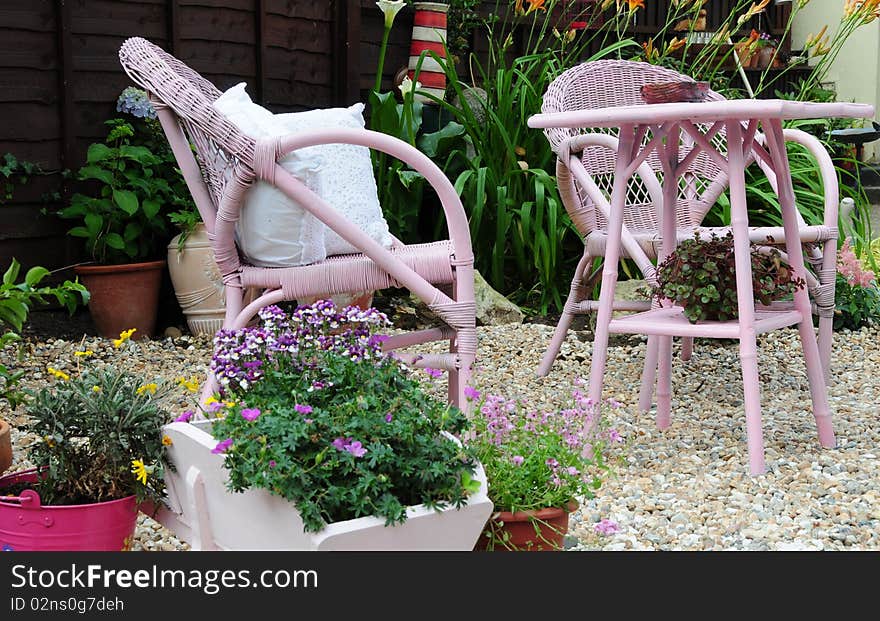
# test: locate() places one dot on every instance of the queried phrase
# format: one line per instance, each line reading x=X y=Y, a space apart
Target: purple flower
x=517 y=460
x=302 y=408
x=435 y=373
x=606 y=527
x=356 y=449
x=471 y=393
x=388 y=417
x=250 y=414
x=222 y=446
x=215 y=406
x=185 y=417
x=572 y=471
x=350 y=445
x=552 y=463
x=614 y=436
x=272 y=463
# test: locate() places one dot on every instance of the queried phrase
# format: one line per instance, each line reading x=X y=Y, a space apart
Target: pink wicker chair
x=606 y=83
x=227 y=162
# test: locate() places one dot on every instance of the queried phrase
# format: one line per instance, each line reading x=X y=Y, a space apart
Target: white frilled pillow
x=275 y=231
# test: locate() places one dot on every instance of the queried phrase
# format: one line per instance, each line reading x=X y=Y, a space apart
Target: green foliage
x=325 y=420
x=855 y=306
x=17 y=298
x=16 y=301
x=14 y=171
x=700 y=276
x=125 y=219
x=91 y=429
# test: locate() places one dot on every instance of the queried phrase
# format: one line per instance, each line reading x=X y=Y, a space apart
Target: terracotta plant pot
x=123 y=296
x=5 y=446
x=543 y=530
x=197 y=282
x=28 y=525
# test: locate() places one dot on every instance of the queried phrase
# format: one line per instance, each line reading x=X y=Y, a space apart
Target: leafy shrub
x=312 y=411
x=99 y=437
x=856 y=295
x=16 y=301
x=700 y=276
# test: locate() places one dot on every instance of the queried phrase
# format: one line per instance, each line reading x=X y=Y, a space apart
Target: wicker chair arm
x=266 y=167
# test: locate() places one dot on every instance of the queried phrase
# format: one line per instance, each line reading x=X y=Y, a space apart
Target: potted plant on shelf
x=98 y=455
x=539 y=465
x=319 y=441
x=700 y=276
x=132 y=184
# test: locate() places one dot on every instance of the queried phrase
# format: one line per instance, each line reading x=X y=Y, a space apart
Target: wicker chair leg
x=687 y=348
x=649 y=374
x=577 y=294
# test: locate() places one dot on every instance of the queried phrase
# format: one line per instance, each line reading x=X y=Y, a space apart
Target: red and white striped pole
x=429 y=33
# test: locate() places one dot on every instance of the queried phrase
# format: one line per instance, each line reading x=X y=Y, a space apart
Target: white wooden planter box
x=202 y=512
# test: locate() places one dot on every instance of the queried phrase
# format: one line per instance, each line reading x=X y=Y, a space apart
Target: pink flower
x=471 y=393
x=606 y=527
x=435 y=373
x=851 y=268
x=250 y=414
x=302 y=408
x=614 y=436
x=517 y=460
x=388 y=417
x=222 y=446
x=350 y=445
x=356 y=449
x=272 y=463
x=185 y=417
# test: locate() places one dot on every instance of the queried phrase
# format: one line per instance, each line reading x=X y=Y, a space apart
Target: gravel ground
x=687 y=488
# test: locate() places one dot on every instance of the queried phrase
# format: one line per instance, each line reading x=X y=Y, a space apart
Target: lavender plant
x=536 y=460
x=313 y=411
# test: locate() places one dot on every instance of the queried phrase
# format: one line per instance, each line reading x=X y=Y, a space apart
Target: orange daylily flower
x=675 y=44
x=635 y=5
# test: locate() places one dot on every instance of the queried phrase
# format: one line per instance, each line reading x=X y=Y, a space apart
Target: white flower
x=390 y=8
x=407 y=86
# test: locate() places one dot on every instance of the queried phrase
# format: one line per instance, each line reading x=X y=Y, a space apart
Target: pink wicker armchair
x=617 y=83
x=227 y=162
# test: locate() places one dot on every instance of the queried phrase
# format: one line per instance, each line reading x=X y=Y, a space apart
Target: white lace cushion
x=273 y=230
x=345 y=172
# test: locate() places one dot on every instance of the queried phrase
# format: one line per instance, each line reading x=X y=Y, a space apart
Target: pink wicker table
x=725 y=131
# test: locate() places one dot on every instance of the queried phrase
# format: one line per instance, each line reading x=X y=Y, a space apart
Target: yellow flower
x=229 y=404
x=166 y=441
x=84 y=354
x=49 y=441
x=191 y=384
x=139 y=470
x=210 y=400
x=59 y=374
x=150 y=388
x=123 y=336
x=96 y=388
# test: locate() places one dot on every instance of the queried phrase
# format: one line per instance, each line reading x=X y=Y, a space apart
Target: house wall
x=855 y=74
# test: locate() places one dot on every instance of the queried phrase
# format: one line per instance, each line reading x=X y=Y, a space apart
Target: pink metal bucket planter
x=27 y=525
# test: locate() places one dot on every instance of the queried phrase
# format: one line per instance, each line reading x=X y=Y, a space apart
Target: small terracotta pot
x=543 y=530
x=123 y=296
x=5 y=446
